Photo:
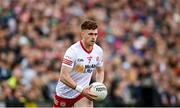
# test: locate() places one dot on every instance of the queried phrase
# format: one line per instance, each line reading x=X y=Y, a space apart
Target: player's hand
x=91 y=96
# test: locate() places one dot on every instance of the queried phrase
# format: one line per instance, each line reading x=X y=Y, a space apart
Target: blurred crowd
x=139 y=38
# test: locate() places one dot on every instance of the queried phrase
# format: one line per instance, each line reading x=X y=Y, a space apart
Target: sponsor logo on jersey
x=89 y=68
x=80 y=60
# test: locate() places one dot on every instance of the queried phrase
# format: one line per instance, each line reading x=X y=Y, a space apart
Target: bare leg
x=84 y=102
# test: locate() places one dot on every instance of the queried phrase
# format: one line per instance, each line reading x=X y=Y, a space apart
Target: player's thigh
x=84 y=102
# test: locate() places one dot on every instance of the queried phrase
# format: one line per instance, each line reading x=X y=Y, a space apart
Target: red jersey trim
x=68 y=62
x=88 y=51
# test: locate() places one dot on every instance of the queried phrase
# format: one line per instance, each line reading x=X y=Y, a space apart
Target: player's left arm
x=100 y=74
x=100 y=68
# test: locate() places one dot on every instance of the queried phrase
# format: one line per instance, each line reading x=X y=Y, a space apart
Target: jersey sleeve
x=100 y=61
x=69 y=58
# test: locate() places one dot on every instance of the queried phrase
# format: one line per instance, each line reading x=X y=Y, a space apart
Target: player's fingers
x=92 y=94
x=91 y=98
x=87 y=91
x=90 y=86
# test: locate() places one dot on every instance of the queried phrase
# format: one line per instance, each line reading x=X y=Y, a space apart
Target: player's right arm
x=67 y=80
x=65 y=77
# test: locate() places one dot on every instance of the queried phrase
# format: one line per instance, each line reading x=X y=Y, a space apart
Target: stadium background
x=139 y=37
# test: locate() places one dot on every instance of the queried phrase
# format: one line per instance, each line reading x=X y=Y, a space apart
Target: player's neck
x=86 y=47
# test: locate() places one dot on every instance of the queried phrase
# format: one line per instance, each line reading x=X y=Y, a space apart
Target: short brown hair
x=89 y=25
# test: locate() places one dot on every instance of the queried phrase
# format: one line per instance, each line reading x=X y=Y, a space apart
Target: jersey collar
x=87 y=51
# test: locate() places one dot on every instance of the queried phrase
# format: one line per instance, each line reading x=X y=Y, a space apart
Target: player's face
x=91 y=36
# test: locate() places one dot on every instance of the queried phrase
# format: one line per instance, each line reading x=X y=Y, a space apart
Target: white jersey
x=83 y=64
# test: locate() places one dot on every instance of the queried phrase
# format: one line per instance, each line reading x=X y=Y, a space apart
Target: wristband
x=79 y=88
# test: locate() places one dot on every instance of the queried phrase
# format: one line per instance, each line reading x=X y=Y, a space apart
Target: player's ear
x=82 y=32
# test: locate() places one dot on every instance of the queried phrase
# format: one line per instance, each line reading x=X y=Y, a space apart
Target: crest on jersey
x=97 y=58
x=79 y=68
x=89 y=58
